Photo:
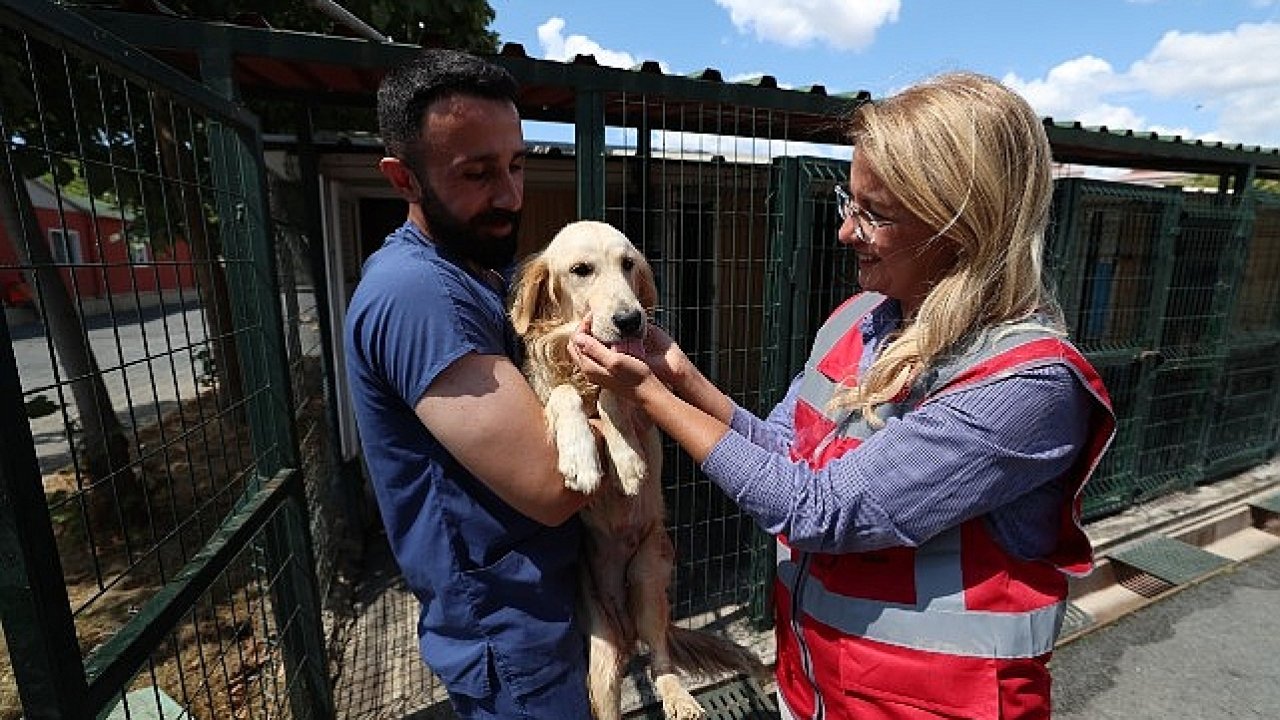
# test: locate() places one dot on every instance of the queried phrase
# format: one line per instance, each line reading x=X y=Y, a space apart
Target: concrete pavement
x=1209 y=651
x=1158 y=637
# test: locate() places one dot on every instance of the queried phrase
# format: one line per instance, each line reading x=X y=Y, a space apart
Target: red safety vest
x=956 y=628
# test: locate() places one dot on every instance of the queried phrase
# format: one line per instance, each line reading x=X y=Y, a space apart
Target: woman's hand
x=619 y=372
x=666 y=359
x=696 y=422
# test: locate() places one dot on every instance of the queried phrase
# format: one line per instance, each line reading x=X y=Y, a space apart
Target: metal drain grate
x=1143 y=583
x=1167 y=561
x=1076 y=620
x=739 y=698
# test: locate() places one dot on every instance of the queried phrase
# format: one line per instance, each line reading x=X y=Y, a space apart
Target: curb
x=1168 y=544
x=1215 y=526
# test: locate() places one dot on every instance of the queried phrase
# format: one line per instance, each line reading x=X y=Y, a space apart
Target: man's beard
x=466 y=239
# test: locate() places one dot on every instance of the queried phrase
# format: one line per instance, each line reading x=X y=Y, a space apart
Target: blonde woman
x=923 y=473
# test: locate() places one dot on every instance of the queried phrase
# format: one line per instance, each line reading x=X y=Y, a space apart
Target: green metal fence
x=1243 y=417
x=694 y=183
x=158 y=548
x=153 y=524
x=1172 y=295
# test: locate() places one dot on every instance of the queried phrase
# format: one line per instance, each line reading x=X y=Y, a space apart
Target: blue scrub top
x=497 y=588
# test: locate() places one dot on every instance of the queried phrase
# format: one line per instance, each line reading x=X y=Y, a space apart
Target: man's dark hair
x=407 y=90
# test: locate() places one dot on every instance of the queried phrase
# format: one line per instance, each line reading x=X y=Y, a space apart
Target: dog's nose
x=628 y=322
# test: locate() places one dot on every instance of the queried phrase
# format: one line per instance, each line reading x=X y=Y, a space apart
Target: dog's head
x=587 y=266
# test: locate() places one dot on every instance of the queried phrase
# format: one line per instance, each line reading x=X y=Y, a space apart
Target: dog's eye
x=582 y=269
x=628 y=264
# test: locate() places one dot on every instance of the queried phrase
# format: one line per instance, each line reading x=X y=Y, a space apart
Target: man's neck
x=490 y=277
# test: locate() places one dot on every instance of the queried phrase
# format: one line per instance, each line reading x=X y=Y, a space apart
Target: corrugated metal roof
x=326 y=69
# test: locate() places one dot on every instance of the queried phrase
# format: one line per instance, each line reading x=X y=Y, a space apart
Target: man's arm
x=484 y=412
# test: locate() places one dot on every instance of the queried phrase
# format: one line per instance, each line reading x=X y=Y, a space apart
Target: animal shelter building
x=188 y=527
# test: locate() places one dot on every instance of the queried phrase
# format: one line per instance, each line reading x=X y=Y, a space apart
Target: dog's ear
x=530 y=294
x=646 y=288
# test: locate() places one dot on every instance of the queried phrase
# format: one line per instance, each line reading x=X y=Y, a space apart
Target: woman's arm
x=695 y=427
x=969 y=454
x=959 y=457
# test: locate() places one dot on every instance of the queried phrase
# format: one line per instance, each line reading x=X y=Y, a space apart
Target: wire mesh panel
x=692 y=184
x=1242 y=421
x=1114 y=485
x=139 y=344
x=1107 y=252
x=223 y=657
x=1141 y=274
x=1205 y=256
x=335 y=526
x=832 y=268
x=1256 y=311
x=1171 y=454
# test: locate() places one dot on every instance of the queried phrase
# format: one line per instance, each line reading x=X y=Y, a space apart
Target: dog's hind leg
x=649 y=574
x=604 y=658
x=604 y=679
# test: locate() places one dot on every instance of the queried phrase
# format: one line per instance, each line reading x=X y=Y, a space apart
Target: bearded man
x=476 y=513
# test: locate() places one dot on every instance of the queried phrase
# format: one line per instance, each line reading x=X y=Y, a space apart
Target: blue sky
x=1197 y=68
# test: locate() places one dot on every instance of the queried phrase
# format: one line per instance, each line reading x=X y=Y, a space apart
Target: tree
x=63 y=120
x=24 y=113
x=462 y=24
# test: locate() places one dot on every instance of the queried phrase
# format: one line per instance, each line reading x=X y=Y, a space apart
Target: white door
x=340 y=209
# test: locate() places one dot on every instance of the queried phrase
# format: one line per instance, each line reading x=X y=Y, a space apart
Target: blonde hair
x=969 y=158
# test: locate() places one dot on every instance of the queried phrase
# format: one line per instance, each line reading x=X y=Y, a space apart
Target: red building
x=98 y=254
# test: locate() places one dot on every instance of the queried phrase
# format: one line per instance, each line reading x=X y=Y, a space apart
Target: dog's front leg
x=575 y=443
x=623 y=442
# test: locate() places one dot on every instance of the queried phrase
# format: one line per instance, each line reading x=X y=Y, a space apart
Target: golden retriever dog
x=590 y=267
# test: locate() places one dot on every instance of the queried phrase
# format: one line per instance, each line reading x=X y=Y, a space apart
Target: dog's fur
x=590 y=266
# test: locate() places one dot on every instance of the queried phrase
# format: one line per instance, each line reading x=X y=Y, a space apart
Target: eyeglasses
x=864 y=222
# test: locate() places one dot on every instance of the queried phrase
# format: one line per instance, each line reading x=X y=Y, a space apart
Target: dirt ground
x=118 y=542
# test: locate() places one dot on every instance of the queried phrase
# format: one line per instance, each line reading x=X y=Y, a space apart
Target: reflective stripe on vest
x=938 y=622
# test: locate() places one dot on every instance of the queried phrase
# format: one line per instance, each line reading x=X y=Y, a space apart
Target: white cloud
x=841 y=24
x=1187 y=63
x=1227 y=74
x=1075 y=84
x=555 y=46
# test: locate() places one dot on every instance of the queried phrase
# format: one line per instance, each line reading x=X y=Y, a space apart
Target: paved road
x=148 y=363
x=149 y=360
x=1209 y=652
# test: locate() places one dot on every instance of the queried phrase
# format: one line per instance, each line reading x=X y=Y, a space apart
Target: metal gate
x=154 y=553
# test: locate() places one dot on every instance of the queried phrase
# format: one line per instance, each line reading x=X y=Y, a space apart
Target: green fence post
x=36 y=611
x=775 y=357
x=589 y=152
x=250 y=259
x=1062 y=256
x=288 y=542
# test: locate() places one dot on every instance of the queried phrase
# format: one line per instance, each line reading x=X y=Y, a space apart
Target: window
x=65 y=245
x=139 y=251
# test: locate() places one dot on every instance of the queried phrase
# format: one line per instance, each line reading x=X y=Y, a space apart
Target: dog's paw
x=678 y=704
x=583 y=479
x=581 y=470
x=632 y=470
x=578 y=460
x=684 y=710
